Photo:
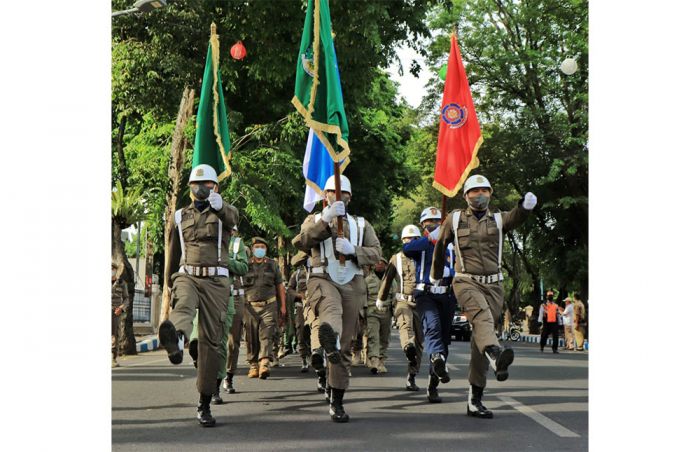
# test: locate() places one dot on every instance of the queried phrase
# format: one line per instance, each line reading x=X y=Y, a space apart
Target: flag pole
x=338 y=195
x=444 y=208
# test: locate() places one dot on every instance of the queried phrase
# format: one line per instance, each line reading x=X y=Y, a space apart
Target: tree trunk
x=177 y=154
x=127 y=342
x=119 y=145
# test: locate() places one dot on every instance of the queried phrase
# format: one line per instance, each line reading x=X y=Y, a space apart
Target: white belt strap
x=321 y=245
x=353 y=230
x=218 y=246
x=236 y=245
x=499 y=224
x=455 y=242
x=399 y=269
x=178 y=221
x=361 y=227
x=422 y=265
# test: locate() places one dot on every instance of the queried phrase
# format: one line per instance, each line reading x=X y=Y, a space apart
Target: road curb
x=149 y=344
x=535 y=339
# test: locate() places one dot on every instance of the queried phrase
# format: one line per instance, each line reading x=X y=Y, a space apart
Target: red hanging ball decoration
x=238 y=51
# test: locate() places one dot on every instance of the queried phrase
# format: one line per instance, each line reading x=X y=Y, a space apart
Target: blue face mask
x=259 y=252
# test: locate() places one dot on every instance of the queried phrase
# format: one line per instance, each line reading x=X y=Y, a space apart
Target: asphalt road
x=542 y=406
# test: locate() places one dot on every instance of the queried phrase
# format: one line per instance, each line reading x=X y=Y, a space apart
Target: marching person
x=403 y=268
x=197 y=267
x=550 y=319
x=264 y=292
x=336 y=291
x=238 y=266
x=120 y=303
x=378 y=319
x=434 y=303
x=296 y=295
x=478 y=233
x=235 y=331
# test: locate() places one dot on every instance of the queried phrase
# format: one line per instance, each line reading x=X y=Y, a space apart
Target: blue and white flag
x=317 y=168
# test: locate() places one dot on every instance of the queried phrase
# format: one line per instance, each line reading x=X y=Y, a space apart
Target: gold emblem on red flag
x=454 y=115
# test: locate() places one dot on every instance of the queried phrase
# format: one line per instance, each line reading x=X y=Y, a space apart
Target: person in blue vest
x=435 y=303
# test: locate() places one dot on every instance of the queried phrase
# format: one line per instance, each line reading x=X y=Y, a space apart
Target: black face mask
x=201 y=191
x=379 y=274
x=550 y=297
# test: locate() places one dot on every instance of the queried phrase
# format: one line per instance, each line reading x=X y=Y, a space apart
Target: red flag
x=460 y=137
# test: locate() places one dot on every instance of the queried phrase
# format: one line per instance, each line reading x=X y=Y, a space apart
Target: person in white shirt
x=568 y=316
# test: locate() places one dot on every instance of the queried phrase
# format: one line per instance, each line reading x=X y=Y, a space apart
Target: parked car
x=461 y=330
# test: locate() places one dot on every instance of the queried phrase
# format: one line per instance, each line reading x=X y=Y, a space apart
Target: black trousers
x=547 y=328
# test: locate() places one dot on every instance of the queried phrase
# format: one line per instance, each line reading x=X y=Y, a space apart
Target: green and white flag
x=317 y=92
x=211 y=142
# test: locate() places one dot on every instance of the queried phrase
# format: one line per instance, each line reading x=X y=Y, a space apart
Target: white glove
x=215 y=200
x=343 y=246
x=434 y=282
x=381 y=305
x=434 y=235
x=530 y=201
x=337 y=209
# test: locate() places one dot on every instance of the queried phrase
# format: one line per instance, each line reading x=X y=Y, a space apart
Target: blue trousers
x=436 y=313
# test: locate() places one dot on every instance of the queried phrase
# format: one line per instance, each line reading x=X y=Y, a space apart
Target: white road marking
x=122 y=366
x=540 y=418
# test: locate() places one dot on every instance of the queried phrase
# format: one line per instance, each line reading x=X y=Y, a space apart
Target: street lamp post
x=144 y=6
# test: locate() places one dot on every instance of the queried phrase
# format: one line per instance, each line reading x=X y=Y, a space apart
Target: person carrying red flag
x=476 y=232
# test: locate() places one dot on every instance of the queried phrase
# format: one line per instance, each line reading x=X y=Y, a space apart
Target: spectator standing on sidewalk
x=550 y=318
x=568 y=318
x=580 y=321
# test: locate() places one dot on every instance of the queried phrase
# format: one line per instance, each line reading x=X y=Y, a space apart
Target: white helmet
x=203 y=172
x=344 y=184
x=476 y=181
x=410 y=230
x=430 y=213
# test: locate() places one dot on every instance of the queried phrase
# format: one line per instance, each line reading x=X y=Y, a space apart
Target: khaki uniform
x=378 y=322
x=205 y=235
x=330 y=302
x=260 y=313
x=578 y=324
x=238 y=265
x=120 y=298
x=407 y=319
x=236 y=330
x=477 y=254
x=297 y=286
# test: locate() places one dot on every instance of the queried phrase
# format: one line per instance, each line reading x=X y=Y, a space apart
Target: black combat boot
x=321 y=383
x=194 y=352
x=328 y=393
x=228 y=384
x=318 y=361
x=304 y=364
x=337 y=411
x=433 y=382
x=204 y=411
x=216 y=397
x=500 y=359
x=440 y=367
x=330 y=342
x=172 y=341
x=474 y=406
x=411 y=383
x=411 y=352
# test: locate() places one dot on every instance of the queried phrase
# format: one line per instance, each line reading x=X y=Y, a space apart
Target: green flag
x=317 y=93
x=211 y=141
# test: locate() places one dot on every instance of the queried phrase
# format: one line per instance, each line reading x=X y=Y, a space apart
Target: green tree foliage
x=157 y=54
x=535 y=125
